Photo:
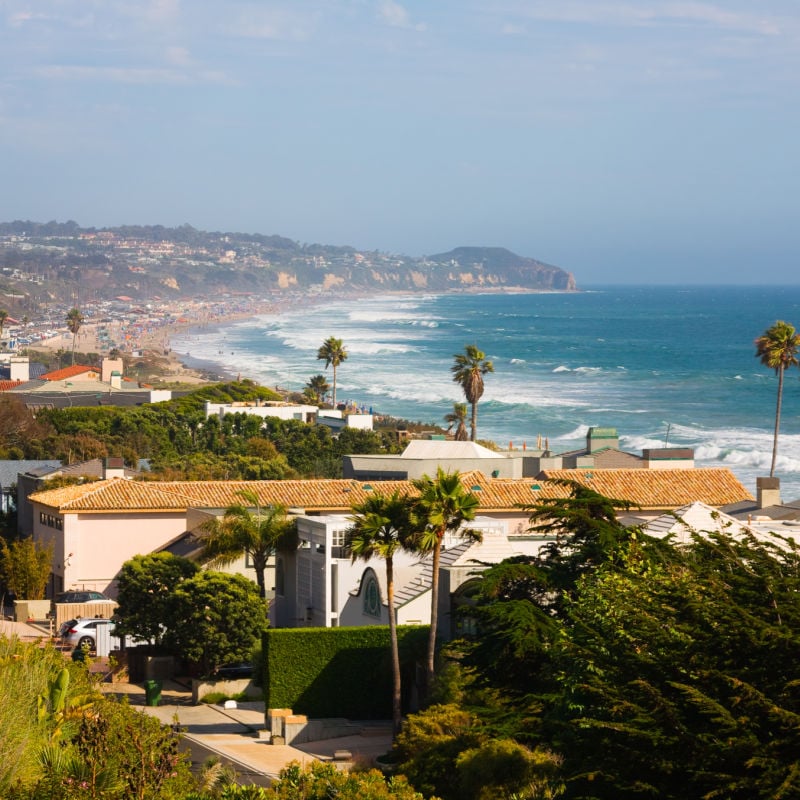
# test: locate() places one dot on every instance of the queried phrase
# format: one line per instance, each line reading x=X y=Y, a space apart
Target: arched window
x=371 y=595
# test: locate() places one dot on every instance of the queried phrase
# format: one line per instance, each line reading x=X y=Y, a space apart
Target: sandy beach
x=151 y=337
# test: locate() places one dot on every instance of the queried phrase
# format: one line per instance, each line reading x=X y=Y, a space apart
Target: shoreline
x=153 y=334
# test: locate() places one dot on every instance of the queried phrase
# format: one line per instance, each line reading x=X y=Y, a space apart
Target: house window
x=372 y=597
x=338 y=537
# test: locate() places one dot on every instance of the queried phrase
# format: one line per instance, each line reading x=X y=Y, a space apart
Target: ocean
x=663 y=365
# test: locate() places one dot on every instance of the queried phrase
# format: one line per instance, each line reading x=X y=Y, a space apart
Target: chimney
x=20 y=368
x=113 y=468
x=116 y=380
x=768 y=491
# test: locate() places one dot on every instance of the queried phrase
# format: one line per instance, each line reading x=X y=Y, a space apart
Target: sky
x=627 y=142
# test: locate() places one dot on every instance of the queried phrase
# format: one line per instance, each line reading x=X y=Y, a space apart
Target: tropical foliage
x=381 y=526
x=25 y=568
x=248 y=529
x=649 y=670
x=145 y=594
x=778 y=348
x=468 y=370
x=457 y=418
x=62 y=739
x=208 y=618
x=181 y=444
x=317 y=387
x=333 y=353
x=74 y=322
x=442 y=506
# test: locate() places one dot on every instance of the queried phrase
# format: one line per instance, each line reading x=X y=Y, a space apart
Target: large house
x=424 y=456
x=95 y=527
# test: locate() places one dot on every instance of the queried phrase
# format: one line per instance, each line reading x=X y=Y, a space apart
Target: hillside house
x=95 y=527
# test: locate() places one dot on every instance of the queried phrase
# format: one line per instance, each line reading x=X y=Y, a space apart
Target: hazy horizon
x=649 y=142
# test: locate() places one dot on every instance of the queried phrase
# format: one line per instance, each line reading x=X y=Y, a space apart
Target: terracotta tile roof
x=658 y=488
x=6 y=385
x=68 y=372
x=311 y=495
x=116 y=494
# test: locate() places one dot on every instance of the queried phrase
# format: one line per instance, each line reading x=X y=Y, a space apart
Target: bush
x=323 y=672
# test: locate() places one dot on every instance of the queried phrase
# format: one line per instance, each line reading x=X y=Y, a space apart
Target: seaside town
x=397 y=535
x=399 y=400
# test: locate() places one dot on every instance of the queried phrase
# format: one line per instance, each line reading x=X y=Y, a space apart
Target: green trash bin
x=152 y=693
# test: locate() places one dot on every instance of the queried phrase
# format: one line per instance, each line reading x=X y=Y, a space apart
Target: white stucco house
x=264 y=409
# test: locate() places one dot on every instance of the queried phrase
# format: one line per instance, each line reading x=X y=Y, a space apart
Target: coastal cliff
x=145 y=262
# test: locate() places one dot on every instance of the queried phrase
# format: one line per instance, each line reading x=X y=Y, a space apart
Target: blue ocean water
x=661 y=364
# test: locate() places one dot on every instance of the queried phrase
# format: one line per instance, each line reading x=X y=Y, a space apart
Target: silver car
x=83 y=632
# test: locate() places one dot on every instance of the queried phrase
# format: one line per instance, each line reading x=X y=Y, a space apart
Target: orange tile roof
x=655 y=489
x=6 y=385
x=68 y=372
x=659 y=488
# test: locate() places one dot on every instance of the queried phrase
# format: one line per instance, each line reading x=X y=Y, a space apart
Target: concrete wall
x=390 y=467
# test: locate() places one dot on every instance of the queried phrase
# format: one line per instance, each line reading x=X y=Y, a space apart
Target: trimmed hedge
x=338 y=672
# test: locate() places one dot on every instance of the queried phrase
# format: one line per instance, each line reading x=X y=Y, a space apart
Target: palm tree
x=468 y=371
x=318 y=387
x=74 y=321
x=777 y=348
x=381 y=526
x=3 y=320
x=458 y=419
x=257 y=533
x=332 y=353
x=443 y=506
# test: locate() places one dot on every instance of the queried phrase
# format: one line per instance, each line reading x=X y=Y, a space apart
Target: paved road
x=232 y=734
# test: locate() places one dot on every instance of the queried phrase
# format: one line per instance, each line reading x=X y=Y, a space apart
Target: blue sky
x=636 y=141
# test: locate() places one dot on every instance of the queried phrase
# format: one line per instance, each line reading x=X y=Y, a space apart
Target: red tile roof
x=6 y=385
x=69 y=372
x=653 y=489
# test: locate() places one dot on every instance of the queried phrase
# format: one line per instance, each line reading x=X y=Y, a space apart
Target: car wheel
x=86 y=641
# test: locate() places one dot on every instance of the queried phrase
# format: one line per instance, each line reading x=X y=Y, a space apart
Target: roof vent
x=476 y=488
x=536 y=487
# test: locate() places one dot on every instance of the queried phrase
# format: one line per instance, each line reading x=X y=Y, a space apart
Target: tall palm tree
x=777 y=348
x=258 y=533
x=468 y=371
x=318 y=387
x=381 y=526
x=3 y=320
x=457 y=419
x=443 y=506
x=332 y=353
x=74 y=321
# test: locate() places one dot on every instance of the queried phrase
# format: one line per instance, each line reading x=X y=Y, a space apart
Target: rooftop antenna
x=666 y=438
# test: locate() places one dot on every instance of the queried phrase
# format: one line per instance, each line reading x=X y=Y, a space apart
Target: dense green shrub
x=335 y=672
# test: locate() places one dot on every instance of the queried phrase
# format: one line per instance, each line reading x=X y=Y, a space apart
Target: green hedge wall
x=338 y=672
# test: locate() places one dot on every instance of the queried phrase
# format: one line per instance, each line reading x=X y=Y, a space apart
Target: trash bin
x=152 y=693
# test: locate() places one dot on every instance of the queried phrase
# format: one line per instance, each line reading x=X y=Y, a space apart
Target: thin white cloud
x=277 y=24
x=397 y=16
x=650 y=14
x=179 y=56
x=131 y=75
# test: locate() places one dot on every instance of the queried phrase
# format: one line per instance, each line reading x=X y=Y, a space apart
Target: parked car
x=233 y=671
x=82 y=597
x=83 y=632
